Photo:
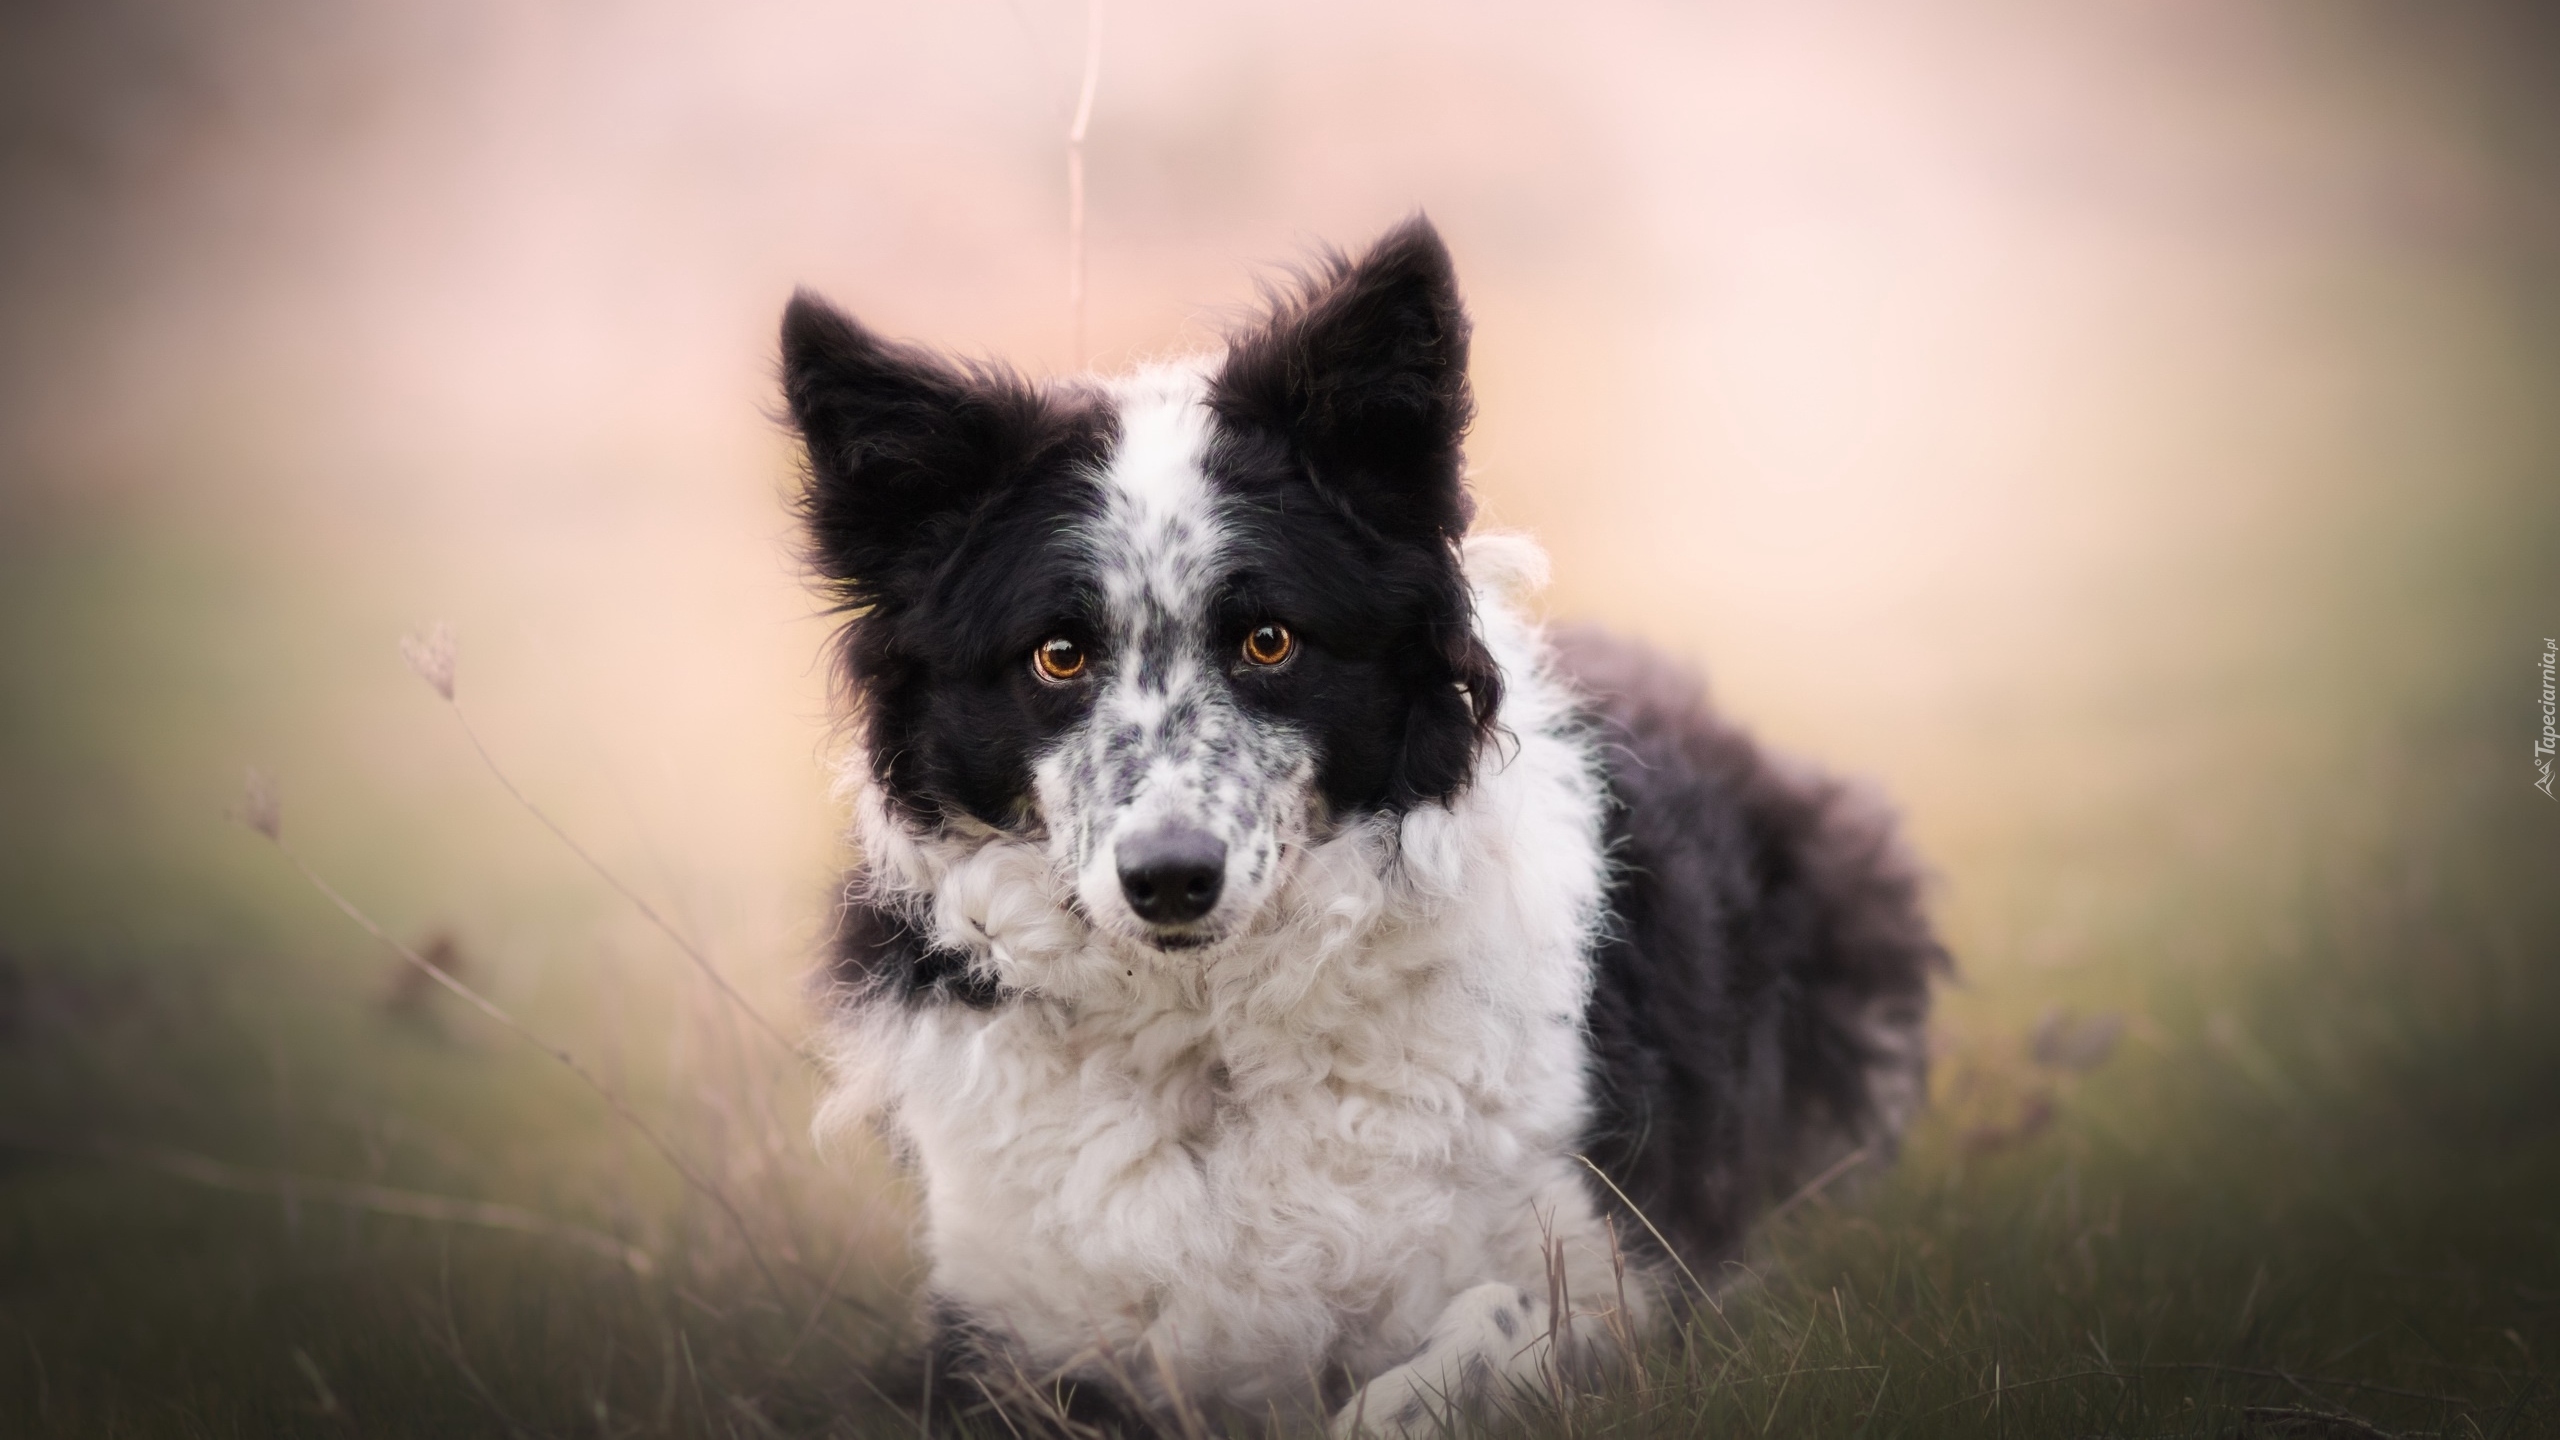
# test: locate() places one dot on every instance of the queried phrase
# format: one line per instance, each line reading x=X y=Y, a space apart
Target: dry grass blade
x=1075 y=171
x=612 y=1100
x=1658 y=1237
x=1787 y=1377
x=321 y=1394
x=379 y=1199
x=433 y=658
x=2292 y=1422
x=452 y=1342
x=1819 y=1183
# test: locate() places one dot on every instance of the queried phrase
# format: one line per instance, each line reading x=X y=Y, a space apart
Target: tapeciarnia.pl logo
x=2550 y=741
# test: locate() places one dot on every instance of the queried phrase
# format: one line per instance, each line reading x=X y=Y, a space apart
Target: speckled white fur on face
x=1166 y=744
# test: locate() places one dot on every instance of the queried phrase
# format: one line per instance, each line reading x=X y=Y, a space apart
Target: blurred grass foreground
x=2125 y=432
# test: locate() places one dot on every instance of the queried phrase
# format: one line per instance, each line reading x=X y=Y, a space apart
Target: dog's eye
x=1058 y=659
x=1269 y=644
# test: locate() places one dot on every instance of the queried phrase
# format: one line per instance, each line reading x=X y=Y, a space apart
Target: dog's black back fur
x=1754 y=917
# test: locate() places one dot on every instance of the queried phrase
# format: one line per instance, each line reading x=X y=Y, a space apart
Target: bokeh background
x=2129 y=433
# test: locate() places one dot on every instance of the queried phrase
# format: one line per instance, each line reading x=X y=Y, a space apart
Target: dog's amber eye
x=1269 y=644
x=1058 y=659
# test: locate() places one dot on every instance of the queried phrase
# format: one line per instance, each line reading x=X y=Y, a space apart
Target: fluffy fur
x=1472 y=903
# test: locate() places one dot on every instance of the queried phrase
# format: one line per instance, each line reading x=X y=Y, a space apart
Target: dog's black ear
x=1363 y=371
x=903 y=445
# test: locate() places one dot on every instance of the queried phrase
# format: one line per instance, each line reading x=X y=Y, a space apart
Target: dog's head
x=1175 y=623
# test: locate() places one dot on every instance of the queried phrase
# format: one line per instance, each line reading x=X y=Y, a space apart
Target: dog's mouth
x=1174 y=939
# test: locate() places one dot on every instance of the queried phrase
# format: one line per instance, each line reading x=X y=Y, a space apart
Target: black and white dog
x=1261 y=922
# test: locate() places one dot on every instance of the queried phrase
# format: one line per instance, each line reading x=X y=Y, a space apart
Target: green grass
x=2316 y=1177
x=2324 y=1184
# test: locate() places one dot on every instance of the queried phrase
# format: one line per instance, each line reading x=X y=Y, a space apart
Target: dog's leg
x=1490 y=1340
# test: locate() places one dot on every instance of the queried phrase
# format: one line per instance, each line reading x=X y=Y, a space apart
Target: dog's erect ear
x=903 y=445
x=1364 y=373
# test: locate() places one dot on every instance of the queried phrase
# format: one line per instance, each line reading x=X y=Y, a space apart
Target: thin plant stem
x=817 y=1312
x=485 y=1006
x=461 y=1358
x=1788 y=1377
x=648 y=911
x=1819 y=1183
x=1076 y=131
x=1659 y=1238
x=357 y=1195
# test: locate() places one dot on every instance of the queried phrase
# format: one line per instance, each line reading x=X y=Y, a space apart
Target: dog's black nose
x=1172 y=875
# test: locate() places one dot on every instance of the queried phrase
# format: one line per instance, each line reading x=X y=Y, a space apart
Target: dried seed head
x=2065 y=1043
x=260 y=810
x=431 y=655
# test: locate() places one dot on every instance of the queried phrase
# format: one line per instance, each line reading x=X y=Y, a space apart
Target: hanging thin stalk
x=1075 y=172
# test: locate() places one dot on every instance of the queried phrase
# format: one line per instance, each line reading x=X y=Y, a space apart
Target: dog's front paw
x=1488 y=1338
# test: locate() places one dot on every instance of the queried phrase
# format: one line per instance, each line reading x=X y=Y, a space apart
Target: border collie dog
x=1294 y=977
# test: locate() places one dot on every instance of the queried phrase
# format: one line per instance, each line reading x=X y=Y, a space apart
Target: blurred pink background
x=1994 y=394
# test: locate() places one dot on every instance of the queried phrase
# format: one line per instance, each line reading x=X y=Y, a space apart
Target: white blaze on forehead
x=1158 y=529
x=1164 y=426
